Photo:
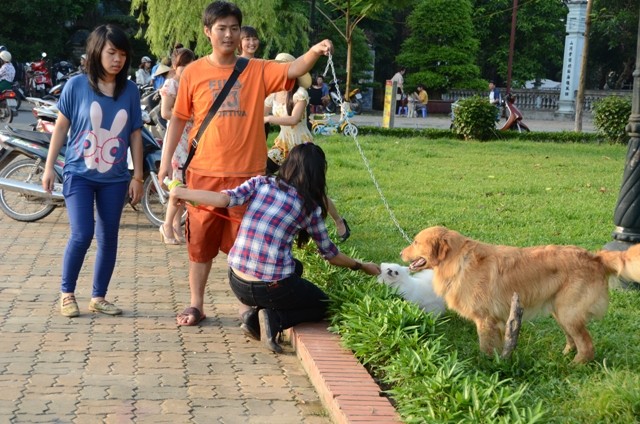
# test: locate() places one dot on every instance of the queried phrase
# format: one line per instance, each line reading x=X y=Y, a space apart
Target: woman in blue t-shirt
x=100 y=111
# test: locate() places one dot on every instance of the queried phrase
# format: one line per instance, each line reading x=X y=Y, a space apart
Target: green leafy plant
x=611 y=116
x=513 y=192
x=475 y=119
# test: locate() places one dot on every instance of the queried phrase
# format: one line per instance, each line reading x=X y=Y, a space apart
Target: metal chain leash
x=354 y=135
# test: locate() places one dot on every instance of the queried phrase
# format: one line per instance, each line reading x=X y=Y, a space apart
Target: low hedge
x=433 y=133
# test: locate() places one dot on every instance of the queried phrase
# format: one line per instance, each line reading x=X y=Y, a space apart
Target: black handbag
x=241 y=63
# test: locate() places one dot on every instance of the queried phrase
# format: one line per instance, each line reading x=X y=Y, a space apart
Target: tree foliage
x=539 y=38
x=441 y=50
x=613 y=39
x=165 y=23
x=31 y=27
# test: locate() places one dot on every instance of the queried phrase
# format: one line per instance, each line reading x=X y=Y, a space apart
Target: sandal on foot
x=347 y=232
x=69 y=306
x=104 y=307
x=179 y=235
x=186 y=314
x=165 y=238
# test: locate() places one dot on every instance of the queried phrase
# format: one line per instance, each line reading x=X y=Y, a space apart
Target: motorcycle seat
x=34 y=136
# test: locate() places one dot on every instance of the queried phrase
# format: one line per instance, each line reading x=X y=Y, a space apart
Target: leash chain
x=362 y=155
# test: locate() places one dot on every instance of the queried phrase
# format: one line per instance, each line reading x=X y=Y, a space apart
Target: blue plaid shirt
x=272 y=220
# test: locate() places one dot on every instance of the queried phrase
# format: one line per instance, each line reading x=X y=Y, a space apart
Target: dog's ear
x=439 y=251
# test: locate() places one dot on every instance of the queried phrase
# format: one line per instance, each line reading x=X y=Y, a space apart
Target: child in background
x=171 y=229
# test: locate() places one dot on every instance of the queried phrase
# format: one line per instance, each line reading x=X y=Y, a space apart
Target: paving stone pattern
x=138 y=367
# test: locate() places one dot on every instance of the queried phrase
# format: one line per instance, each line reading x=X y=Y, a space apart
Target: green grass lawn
x=505 y=192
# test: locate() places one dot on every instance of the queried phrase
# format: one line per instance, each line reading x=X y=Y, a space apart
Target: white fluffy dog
x=416 y=288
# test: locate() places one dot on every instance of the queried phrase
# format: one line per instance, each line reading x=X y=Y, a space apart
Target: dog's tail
x=625 y=264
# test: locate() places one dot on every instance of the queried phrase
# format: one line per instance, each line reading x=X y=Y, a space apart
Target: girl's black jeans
x=293 y=299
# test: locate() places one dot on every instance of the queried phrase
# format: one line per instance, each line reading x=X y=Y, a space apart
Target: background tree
x=614 y=30
x=441 y=50
x=281 y=24
x=31 y=27
x=353 y=12
x=539 y=42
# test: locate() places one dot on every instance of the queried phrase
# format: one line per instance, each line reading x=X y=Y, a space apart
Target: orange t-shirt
x=233 y=145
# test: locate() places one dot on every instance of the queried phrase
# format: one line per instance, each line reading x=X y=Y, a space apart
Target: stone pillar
x=573 y=45
x=626 y=216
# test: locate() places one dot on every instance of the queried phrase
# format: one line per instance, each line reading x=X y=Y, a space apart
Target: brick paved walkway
x=137 y=367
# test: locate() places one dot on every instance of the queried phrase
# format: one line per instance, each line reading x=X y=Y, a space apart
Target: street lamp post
x=627 y=212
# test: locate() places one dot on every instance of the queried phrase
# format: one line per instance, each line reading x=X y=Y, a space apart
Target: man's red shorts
x=207 y=233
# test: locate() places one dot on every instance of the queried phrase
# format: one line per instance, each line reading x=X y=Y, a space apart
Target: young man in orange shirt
x=232 y=149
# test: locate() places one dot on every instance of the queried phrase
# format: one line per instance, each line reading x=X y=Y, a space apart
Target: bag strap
x=241 y=63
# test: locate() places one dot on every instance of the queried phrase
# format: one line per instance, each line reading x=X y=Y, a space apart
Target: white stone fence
x=539 y=100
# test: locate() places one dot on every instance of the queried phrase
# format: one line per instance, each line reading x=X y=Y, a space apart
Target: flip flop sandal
x=192 y=311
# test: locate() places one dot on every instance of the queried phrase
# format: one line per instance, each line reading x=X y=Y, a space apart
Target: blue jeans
x=293 y=299
x=80 y=195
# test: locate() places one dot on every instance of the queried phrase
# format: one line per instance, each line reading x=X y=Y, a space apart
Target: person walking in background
x=159 y=73
x=143 y=74
x=249 y=42
x=288 y=109
x=100 y=112
x=318 y=95
x=232 y=149
x=263 y=273
x=495 y=98
x=401 y=99
x=171 y=230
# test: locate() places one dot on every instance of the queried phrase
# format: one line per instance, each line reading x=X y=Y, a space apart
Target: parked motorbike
x=513 y=115
x=354 y=99
x=8 y=103
x=38 y=77
x=22 y=157
x=46 y=113
x=509 y=110
x=56 y=90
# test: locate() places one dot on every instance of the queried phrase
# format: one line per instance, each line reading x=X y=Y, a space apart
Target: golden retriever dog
x=477 y=280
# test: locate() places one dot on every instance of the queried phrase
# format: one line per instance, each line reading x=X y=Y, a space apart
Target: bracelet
x=140 y=180
x=356 y=267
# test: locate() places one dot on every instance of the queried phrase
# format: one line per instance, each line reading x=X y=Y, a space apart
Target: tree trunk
x=512 y=330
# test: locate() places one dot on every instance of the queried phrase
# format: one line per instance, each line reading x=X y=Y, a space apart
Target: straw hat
x=161 y=69
x=303 y=81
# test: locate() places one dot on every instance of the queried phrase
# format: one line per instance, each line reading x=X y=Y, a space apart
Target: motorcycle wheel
x=331 y=107
x=6 y=114
x=24 y=207
x=152 y=207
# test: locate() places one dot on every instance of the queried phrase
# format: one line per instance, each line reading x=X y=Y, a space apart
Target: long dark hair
x=95 y=44
x=290 y=93
x=305 y=169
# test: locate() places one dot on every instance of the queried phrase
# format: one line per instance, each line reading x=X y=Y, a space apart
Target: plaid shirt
x=272 y=220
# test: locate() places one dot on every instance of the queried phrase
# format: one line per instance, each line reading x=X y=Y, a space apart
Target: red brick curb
x=345 y=387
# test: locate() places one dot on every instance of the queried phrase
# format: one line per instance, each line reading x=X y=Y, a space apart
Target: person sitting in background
x=7 y=71
x=422 y=100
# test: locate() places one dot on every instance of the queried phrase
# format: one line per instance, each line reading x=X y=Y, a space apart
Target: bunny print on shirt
x=102 y=148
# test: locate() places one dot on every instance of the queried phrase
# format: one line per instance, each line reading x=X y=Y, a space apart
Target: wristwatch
x=356 y=267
